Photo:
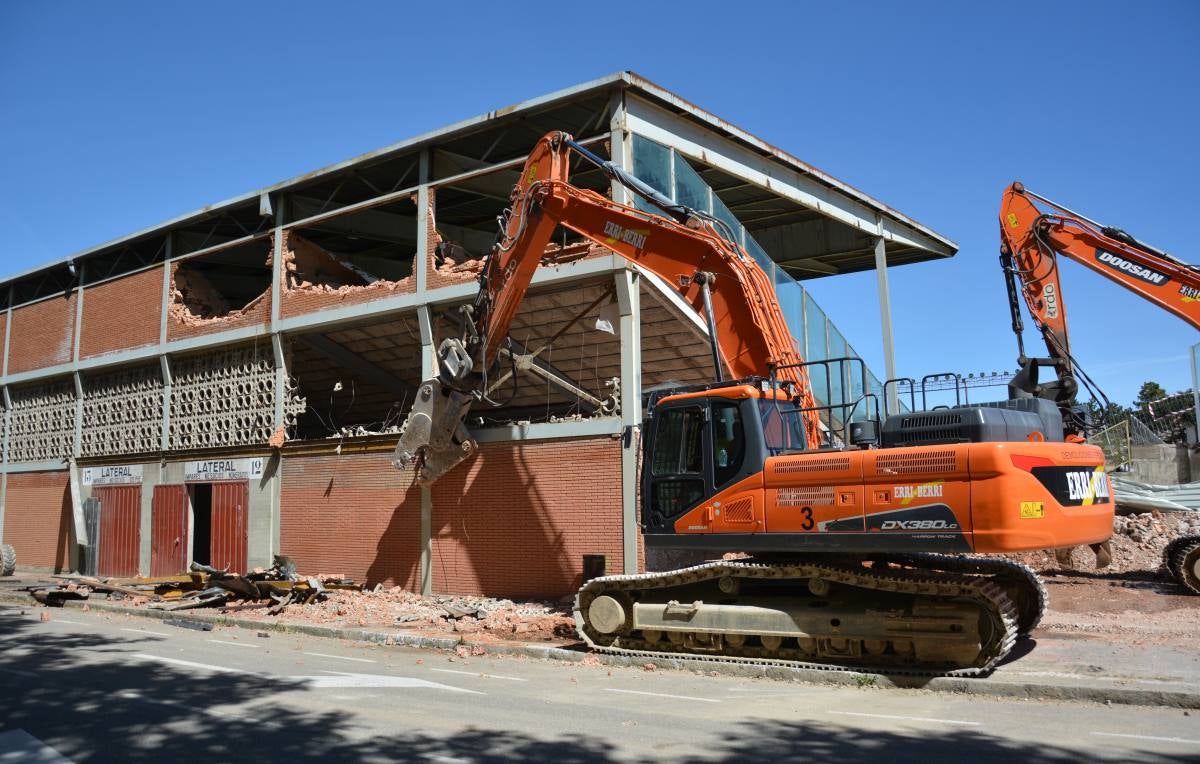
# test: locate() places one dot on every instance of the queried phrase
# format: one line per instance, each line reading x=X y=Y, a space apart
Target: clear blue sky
x=118 y=116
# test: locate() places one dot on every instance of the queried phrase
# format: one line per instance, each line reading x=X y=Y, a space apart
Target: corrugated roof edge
x=627 y=78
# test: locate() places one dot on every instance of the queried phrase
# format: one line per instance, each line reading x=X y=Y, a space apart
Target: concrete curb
x=987 y=686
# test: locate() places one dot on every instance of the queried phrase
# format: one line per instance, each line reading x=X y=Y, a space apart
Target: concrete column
x=421 y=261
x=4 y=475
x=629 y=303
x=425 y=323
x=620 y=146
x=885 y=315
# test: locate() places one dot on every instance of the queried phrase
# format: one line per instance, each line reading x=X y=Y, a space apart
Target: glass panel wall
x=817 y=337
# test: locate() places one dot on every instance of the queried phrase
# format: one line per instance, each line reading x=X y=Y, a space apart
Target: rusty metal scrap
x=206 y=586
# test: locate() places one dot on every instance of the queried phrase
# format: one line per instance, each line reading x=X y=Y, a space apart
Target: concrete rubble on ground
x=481 y=617
x=1137 y=543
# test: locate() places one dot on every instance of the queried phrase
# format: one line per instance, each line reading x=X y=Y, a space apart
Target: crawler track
x=914 y=595
x=1022 y=584
x=1181 y=558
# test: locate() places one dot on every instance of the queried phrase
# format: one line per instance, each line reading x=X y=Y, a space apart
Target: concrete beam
x=549 y=430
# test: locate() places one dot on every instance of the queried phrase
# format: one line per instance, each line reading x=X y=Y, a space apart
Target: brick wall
x=37 y=519
x=518 y=518
x=122 y=313
x=43 y=334
x=351 y=514
x=3 y=325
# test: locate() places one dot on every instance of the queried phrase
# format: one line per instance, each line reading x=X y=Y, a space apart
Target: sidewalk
x=1052 y=666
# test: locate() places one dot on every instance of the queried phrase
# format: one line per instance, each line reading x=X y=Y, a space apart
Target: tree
x=1149 y=392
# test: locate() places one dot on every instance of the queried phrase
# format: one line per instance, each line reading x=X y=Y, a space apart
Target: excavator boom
x=1034 y=231
x=685 y=248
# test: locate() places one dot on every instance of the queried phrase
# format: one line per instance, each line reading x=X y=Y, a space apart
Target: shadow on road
x=83 y=695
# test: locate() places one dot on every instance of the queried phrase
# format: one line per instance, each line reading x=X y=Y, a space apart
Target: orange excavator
x=1034 y=232
x=850 y=524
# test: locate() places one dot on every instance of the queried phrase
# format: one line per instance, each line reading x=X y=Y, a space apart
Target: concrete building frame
x=632 y=106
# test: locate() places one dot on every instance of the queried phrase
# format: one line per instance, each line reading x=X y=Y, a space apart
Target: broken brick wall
x=353 y=514
x=43 y=334
x=195 y=308
x=121 y=314
x=314 y=279
x=516 y=520
x=37 y=519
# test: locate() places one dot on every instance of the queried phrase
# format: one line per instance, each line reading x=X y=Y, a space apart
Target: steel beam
x=629 y=302
x=885 y=317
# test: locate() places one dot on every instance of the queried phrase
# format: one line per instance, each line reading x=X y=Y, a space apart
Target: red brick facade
x=43 y=334
x=518 y=518
x=37 y=519
x=514 y=522
x=353 y=514
x=120 y=314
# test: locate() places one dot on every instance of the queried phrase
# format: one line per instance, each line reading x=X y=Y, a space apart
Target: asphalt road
x=88 y=687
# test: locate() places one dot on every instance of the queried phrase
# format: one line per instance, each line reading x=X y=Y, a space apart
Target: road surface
x=91 y=687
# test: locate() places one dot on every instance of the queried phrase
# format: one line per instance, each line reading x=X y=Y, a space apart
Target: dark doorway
x=202 y=523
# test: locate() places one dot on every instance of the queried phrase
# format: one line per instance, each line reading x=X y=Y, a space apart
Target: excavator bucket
x=434 y=438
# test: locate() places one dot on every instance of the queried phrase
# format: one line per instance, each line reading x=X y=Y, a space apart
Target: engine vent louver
x=804 y=464
x=740 y=511
x=910 y=464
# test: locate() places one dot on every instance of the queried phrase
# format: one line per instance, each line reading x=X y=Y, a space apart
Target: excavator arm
x=1034 y=231
x=686 y=248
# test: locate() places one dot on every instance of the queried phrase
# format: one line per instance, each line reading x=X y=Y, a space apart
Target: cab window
x=728 y=442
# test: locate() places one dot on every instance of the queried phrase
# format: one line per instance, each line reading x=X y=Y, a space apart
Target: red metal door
x=229 y=502
x=120 y=529
x=168 y=531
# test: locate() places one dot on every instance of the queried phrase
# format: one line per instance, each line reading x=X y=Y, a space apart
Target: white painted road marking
x=20 y=746
x=663 y=695
x=340 y=657
x=190 y=664
x=481 y=674
x=906 y=718
x=1149 y=737
x=147 y=631
x=235 y=644
x=340 y=679
x=336 y=678
x=64 y=620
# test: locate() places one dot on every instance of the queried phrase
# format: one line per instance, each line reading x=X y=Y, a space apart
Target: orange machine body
x=973 y=497
x=991 y=497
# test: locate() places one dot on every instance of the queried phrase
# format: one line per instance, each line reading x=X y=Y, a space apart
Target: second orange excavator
x=848 y=516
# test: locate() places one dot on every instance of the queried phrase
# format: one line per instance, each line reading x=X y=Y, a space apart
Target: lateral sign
x=117 y=474
x=215 y=470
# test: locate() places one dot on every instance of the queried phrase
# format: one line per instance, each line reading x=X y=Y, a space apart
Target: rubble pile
x=396 y=607
x=1137 y=543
